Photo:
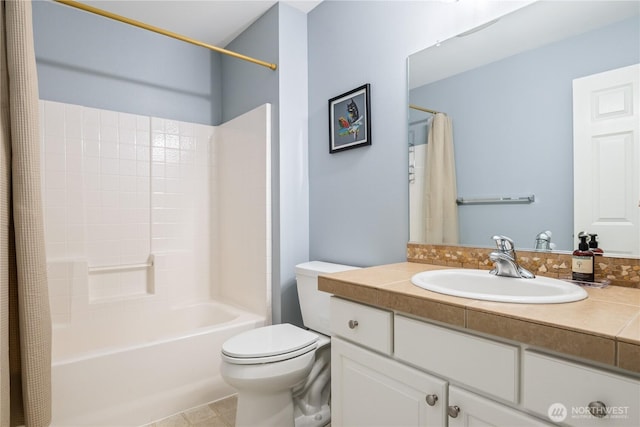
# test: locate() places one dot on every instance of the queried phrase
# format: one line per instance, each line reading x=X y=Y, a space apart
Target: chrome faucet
x=505 y=260
x=543 y=241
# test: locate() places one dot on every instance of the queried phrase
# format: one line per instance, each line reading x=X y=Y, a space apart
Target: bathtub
x=148 y=369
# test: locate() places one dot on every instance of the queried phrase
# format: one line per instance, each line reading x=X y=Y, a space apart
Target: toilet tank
x=314 y=304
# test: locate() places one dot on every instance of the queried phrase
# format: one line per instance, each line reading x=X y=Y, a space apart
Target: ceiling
x=215 y=22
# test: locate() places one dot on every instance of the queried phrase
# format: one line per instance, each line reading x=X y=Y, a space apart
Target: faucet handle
x=504 y=243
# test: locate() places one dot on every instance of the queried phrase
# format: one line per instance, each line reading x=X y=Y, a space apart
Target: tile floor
x=221 y=413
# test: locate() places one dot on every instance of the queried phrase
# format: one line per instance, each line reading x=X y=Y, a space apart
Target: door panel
x=606 y=122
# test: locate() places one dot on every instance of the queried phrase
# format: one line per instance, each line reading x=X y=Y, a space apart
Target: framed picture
x=349 y=120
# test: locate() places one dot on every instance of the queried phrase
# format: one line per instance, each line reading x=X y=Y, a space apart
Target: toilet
x=282 y=372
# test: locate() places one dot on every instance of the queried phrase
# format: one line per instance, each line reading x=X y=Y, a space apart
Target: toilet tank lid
x=313 y=268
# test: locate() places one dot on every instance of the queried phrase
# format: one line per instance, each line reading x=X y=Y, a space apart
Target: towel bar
x=496 y=200
x=112 y=268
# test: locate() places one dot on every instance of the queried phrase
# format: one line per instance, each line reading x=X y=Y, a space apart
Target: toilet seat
x=269 y=344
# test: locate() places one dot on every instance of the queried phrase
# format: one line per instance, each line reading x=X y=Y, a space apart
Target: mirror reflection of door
x=507 y=89
x=606 y=150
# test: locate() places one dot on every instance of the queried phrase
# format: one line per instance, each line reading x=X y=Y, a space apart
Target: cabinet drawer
x=480 y=363
x=561 y=389
x=364 y=325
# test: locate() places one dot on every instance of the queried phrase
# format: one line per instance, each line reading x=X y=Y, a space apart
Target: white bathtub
x=150 y=369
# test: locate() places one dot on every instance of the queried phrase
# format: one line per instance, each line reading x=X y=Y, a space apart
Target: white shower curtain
x=25 y=332
x=440 y=192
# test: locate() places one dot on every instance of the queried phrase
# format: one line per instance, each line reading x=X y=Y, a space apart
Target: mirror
x=507 y=86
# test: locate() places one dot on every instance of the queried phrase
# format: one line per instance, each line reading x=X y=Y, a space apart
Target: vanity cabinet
x=580 y=395
x=401 y=371
x=369 y=390
x=469 y=409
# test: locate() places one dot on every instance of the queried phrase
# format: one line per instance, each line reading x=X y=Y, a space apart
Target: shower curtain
x=25 y=332
x=440 y=192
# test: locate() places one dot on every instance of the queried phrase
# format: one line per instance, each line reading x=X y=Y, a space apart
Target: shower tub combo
x=157 y=367
x=150 y=229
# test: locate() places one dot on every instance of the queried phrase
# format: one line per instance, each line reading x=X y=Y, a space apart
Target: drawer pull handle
x=453 y=411
x=432 y=399
x=598 y=409
x=353 y=324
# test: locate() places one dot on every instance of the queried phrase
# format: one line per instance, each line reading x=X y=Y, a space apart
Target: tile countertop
x=604 y=327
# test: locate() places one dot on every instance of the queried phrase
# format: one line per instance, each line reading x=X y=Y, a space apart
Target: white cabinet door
x=468 y=409
x=579 y=395
x=370 y=390
x=606 y=158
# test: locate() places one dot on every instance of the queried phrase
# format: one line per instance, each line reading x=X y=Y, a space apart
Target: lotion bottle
x=582 y=262
x=593 y=245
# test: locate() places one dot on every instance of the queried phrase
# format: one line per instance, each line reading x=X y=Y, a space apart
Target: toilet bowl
x=282 y=372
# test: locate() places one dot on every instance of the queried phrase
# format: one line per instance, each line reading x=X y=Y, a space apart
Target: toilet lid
x=269 y=341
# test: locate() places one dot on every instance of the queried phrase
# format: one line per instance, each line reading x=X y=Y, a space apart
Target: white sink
x=480 y=284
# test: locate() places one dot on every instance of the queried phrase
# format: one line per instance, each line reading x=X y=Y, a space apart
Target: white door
x=369 y=390
x=606 y=158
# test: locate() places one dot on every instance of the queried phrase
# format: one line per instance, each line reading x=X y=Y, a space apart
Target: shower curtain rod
x=426 y=110
x=148 y=27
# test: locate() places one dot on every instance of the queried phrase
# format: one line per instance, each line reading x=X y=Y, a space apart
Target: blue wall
x=491 y=122
x=359 y=198
x=293 y=161
x=89 y=60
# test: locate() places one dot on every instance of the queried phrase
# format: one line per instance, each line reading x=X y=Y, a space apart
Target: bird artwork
x=350 y=125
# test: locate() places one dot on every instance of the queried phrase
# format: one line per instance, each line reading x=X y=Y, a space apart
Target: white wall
x=242 y=254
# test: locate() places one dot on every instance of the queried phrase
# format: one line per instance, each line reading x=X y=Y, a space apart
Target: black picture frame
x=349 y=119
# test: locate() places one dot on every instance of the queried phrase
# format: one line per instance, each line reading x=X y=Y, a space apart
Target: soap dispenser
x=593 y=245
x=582 y=262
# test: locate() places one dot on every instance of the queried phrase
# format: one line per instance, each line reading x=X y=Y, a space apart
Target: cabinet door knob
x=353 y=324
x=598 y=409
x=432 y=399
x=453 y=411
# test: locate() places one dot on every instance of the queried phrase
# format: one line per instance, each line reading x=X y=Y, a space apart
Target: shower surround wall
x=144 y=216
x=417 y=159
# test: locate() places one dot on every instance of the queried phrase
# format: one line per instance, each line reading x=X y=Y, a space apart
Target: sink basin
x=480 y=284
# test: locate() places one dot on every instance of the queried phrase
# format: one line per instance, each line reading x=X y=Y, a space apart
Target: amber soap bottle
x=593 y=245
x=582 y=262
